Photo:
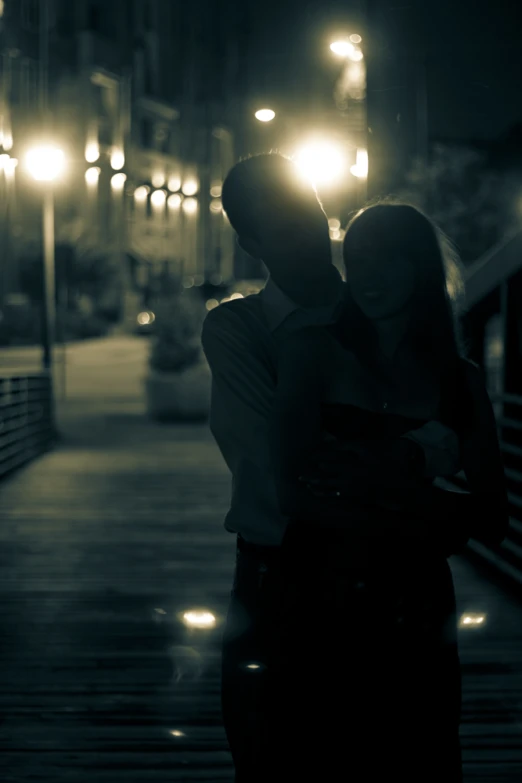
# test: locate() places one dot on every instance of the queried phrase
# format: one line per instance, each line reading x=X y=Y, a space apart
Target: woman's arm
x=295 y=436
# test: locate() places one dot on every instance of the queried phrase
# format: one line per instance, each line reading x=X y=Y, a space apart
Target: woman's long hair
x=401 y=230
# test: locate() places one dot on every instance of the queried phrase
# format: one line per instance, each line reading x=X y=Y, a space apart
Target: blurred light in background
x=118 y=181
x=471 y=620
x=190 y=187
x=10 y=166
x=360 y=169
x=211 y=303
x=174 y=201
x=321 y=163
x=190 y=206
x=264 y=115
x=144 y=319
x=3 y=160
x=174 y=183
x=140 y=194
x=334 y=224
x=92 y=151
x=199 y=618
x=336 y=234
x=158 y=198
x=356 y=56
x=158 y=179
x=355 y=38
x=92 y=175
x=199 y=280
x=45 y=163
x=176 y=733
x=6 y=140
x=342 y=48
x=216 y=205
x=348 y=49
x=117 y=159
x=215 y=190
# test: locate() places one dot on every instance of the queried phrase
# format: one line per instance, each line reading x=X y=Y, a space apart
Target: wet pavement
x=104 y=544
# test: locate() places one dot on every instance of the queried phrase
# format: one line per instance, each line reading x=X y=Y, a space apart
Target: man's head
x=278 y=218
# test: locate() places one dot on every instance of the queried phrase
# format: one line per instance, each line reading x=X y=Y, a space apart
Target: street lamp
x=264 y=115
x=46 y=164
x=321 y=163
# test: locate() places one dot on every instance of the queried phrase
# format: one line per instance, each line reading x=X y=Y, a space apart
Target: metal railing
x=507 y=558
x=27 y=427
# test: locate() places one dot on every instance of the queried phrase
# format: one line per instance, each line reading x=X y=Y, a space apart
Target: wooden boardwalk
x=103 y=543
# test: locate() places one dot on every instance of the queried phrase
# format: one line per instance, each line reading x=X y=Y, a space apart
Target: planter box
x=183 y=396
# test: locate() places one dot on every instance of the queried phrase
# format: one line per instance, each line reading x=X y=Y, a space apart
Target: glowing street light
x=321 y=163
x=118 y=181
x=190 y=206
x=264 y=115
x=92 y=151
x=46 y=164
x=190 y=187
x=360 y=169
x=140 y=194
x=92 y=175
x=117 y=159
x=342 y=48
x=348 y=49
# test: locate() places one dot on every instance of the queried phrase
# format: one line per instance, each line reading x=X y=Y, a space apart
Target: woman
x=383 y=698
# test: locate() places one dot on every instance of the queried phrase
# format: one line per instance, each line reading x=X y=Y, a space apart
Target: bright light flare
x=216 y=205
x=215 y=190
x=92 y=152
x=264 y=115
x=190 y=206
x=117 y=159
x=360 y=169
x=342 y=48
x=190 y=187
x=118 y=181
x=174 y=183
x=92 y=175
x=355 y=38
x=158 y=179
x=158 y=198
x=174 y=201
x=472 y=620
x=321 y=163
x=199 y=618
x=45 y=164
x=140 y=194
x=145 y=319
x=356 y=55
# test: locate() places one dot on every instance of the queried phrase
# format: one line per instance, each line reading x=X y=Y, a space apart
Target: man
x=279 y=219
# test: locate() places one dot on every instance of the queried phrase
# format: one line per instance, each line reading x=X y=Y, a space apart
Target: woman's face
x=381 y=284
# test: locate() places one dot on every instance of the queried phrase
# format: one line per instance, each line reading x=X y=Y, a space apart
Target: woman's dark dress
x=365 y=666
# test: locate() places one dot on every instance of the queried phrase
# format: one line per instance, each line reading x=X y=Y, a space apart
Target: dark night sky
x=474 y=49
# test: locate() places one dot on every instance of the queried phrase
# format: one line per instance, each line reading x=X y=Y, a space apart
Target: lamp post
x=354 y=88
x=45 y=165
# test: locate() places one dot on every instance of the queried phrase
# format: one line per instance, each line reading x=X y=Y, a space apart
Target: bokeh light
x=45 y=163
x=265 y=115
x=92 y=175
x=321 y=163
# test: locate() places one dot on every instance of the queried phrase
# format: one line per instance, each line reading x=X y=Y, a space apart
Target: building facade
x=123 y=89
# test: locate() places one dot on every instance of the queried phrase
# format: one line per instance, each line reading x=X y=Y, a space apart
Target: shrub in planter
x=177 y=385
